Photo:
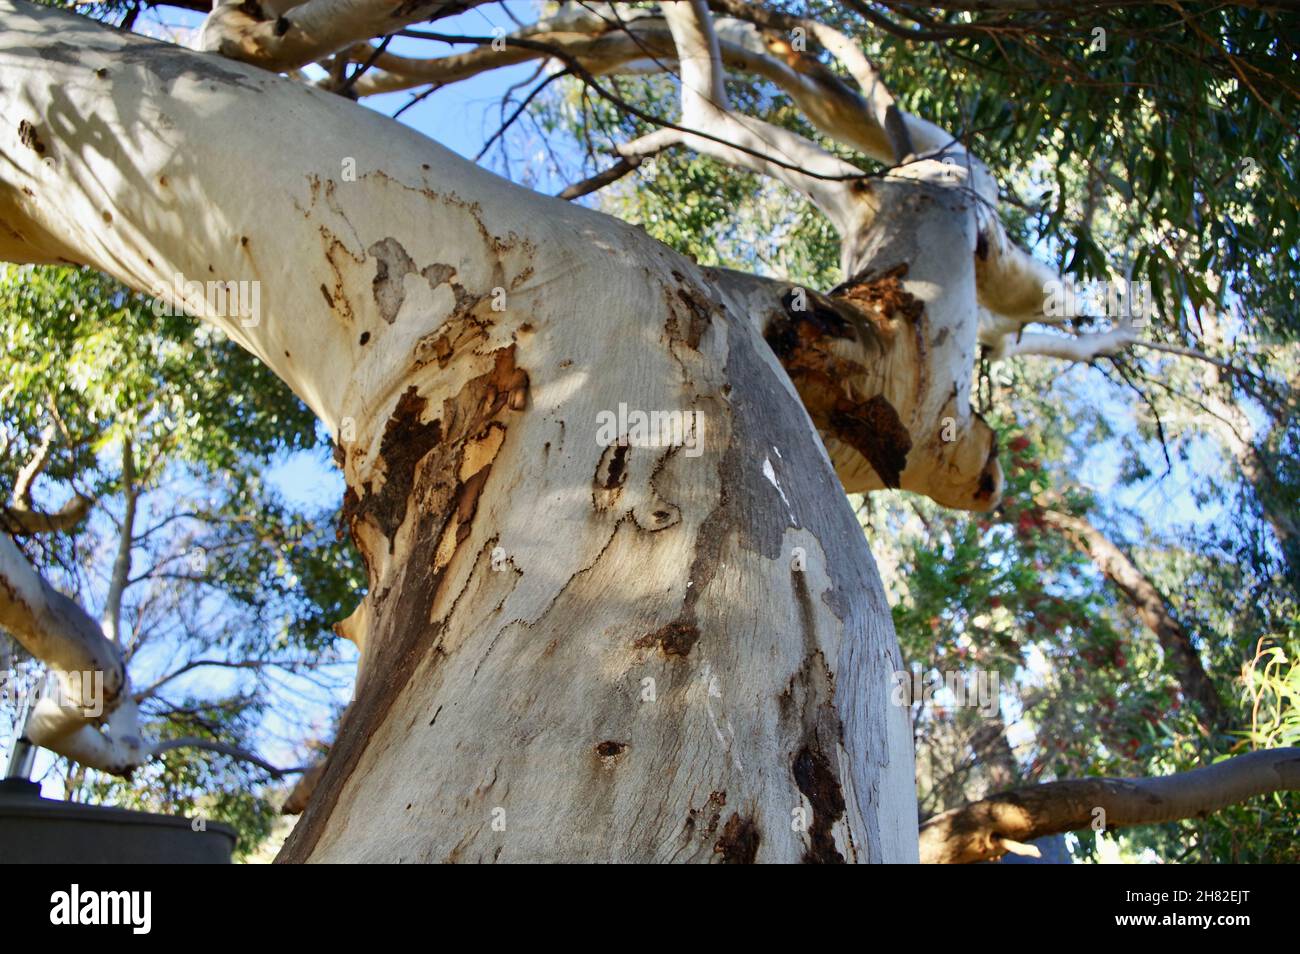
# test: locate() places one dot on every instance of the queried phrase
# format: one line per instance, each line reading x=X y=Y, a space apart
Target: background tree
x=218 y=593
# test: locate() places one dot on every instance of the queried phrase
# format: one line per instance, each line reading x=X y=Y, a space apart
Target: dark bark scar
x=739 y=842
x=28 y=136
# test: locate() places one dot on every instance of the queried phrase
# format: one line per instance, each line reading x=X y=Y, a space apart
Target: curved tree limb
x=1084 y=347
x=312 y=30
x=880 y=102
x=23 y=516
x=234 y=751
x=988 y=829
x=1010 y=281
x=52 y=627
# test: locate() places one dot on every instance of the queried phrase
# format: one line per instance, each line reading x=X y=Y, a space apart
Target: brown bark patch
x=443 y=344
x=823 y=379
x=710 y=813
x=616 y=470
x=988 y=484
x=610 y=476
x=406 y=441
x=444 y=466
x=883 y=300
x=799 y=339
x=792 y=334
x=336 y=255
x=874 y=429
x=464 y=327
x=28 y=136
x=739 y=842
x=675 y=639
x=609 y=751
x=697 y=317
x=811 y=694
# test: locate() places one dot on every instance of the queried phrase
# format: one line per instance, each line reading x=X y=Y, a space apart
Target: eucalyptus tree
x=669 y=641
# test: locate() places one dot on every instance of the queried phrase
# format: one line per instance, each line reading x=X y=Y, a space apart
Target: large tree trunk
x=569 y=650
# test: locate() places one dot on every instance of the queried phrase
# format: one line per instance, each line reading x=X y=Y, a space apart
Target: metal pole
x=22 y=757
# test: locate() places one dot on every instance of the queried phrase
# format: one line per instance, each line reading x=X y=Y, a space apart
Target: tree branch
x=22 y=515
x=624 y=166
x=1151 y=607
x=52 y=627
x=234 y=751
x=1085 y=347
x=311 y=31
x=121 y=575
x=985 y=830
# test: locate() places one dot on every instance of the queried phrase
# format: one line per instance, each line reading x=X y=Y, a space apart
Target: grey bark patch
x=392 y=265
x=855 y=594
x=437 y=273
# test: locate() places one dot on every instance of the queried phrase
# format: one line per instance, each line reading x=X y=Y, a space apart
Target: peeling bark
x=884 y=362
x=524 y=664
